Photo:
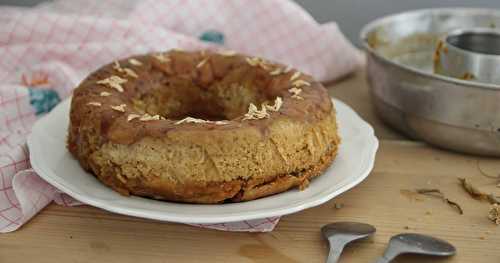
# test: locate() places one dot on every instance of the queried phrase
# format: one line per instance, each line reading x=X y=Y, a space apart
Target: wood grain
x=87 y=234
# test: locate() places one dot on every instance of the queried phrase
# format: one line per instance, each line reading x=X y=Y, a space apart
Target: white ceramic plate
x=52 y=161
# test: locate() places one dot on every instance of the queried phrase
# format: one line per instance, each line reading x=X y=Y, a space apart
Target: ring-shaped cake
x=202 y=126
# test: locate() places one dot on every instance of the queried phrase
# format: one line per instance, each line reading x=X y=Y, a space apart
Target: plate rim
x=50 y=177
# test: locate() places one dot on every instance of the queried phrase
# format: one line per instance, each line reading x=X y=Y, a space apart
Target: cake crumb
x=105 y=94
x=494 y=214
x=438 y=194
x=338 y=206
x=93 y=103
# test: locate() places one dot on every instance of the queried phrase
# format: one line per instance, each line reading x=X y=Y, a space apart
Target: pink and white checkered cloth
x=47 y=50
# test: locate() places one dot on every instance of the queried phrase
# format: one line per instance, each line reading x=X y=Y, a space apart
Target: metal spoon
x=417 y=244
x=340 y=233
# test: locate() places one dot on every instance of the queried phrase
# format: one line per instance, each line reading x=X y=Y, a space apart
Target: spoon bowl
x=416 y=244
x=347 y=229
x=340 y=234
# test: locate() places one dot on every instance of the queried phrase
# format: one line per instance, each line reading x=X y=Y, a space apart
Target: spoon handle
x=336 y=247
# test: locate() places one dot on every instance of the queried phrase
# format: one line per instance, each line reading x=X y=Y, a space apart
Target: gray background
x=351 y=15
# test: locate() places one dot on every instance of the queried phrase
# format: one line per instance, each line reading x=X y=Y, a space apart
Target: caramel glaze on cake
x=202 y=127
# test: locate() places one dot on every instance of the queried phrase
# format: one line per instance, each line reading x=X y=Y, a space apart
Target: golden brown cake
x=202 y=127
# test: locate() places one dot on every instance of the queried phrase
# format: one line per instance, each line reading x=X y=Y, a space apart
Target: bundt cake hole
x=215 y=103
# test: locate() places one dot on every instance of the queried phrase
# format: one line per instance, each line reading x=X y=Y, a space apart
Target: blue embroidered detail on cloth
x=212 y=36
x=43 y=100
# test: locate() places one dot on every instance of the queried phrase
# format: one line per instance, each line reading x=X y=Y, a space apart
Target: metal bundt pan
x=451 y=113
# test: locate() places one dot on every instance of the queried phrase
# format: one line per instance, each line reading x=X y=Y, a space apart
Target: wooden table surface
x=87 y=234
